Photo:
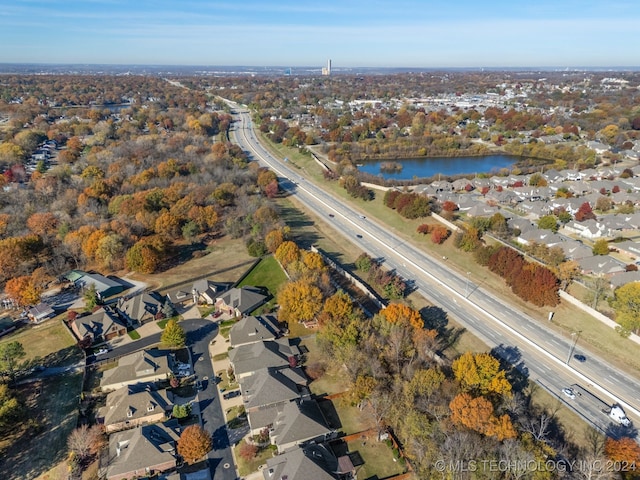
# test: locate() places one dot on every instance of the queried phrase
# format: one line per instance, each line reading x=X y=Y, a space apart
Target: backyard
x=267 y=273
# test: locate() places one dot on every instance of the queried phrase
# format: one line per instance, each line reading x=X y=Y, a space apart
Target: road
x=541 y=353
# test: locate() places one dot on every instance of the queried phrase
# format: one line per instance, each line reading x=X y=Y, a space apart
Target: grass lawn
x=345 y=417
x=34 y=447
x=234 y=412
x=378 y=459
x=245 y=467
x=333 y=381
x=50 y=342
x=134 y=335
x=225 y=327
x=267 y=273
x=225 y=384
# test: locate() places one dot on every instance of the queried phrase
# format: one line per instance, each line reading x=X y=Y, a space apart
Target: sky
x=352 y=33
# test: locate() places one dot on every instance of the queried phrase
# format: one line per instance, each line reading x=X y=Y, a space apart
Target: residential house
x=141 y=452
x=299 y=422
x=266 y=390
x=315 y=462
x=240 y=301
x=539 y=236
x=206 y=291
x=254 y=329
x=246 y=359
x=101 y=326
x=482 y=210
x=143 y=308
x=623 y=278
x=521 y=224
x=574 y=249
x=130 y=406
x=629 y=247
x=147 y=366
x=105 y=287
x=604 y=265
x=587 y=229
x=599 y=147
x=40 y=313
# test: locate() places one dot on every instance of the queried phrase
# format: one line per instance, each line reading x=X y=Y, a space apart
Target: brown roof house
x=240 y=301
x=147 y=366
x=101 y=326
x=129 y=407
x=141 y=452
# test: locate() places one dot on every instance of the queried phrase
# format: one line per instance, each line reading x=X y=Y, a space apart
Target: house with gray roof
x=574 y=249
x=101 y=326
x=246 y=359
x=601 y=265
x=202 y=291
x=146 y=366
x=297 y=423
x=142 y=451
x=539 y=236
x=241 y=301
x=254 y=329
x=315 y=462
x=41 y=312
x=629 y=247
x=482 y=210
x=143 y=308
x=620 y=279
x=129 y=407
x=587 y=229
x=105 y=286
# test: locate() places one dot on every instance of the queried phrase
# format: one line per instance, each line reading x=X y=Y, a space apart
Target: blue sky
x=353 y=33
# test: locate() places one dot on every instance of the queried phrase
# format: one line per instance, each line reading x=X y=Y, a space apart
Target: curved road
x=541 y=353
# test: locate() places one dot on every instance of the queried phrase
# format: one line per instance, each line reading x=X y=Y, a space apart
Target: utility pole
x=573 y=346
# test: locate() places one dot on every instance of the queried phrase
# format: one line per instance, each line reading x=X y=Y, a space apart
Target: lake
x=447 y=166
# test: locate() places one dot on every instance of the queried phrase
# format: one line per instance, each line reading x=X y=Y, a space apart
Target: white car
x=102 y=351
x=569 y=393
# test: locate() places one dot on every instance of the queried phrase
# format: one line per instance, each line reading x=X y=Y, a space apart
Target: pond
x=447 y=166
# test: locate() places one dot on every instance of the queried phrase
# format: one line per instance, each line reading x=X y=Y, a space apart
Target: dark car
x=580 y=358
x=331 y=215
x=358 y=235
x=233 y=394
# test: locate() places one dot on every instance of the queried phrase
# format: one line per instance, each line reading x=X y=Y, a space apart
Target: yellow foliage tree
x=299 y=301
x=287 y=253
x=480 y=373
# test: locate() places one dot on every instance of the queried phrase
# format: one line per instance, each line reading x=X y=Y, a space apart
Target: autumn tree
x=584 y=213
x=601 y=247
x=194 y=443
x=476 y=413
x=399 y=313
x=627 y=306
x=44 y=224
x=481 y=374
x=12 y=409
x=548 y=222
x=300 y=301
x=625 y=450
x=24 y=290
x=338 y=306
x=145 y=256
x=248 y=451
x=567 y=271
x=173 y=335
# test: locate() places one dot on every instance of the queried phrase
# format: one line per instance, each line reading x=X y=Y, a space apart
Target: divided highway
x=543 y=354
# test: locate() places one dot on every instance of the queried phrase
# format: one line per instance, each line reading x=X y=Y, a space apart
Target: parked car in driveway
x=230 y=395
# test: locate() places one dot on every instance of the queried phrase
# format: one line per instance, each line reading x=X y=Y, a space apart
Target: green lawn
x=225 y=327
x=50 y=342
x=267 y=273
x=378 y=459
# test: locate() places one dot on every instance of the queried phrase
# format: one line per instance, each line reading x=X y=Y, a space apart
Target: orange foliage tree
x=477 y=414
x=400 y=313
x=194 y=443
x=24 y=290
x=42 y=224
x=623 y=450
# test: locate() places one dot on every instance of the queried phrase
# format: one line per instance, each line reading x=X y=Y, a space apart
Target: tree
x=10 y=353
x=11 y=408
x=300 y=301
x=287 y=253
x=399 y=313
x=585 y=213
x=567 y=271
x=548 y=222
x=86 y=441
x=625 y=450
x=477 y=414
x=480 y=373
x=194 y=443
x=90 y=297
x=181 y=411
x=24 y=290
x=248 y=451
x=173 y=335
x=601 y=247
x=627 y=305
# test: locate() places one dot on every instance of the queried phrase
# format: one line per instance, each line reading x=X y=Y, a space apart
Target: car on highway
x=569 y=393
x=580 y=358
x=358 y=235
x=363 y=217
x=331 y=215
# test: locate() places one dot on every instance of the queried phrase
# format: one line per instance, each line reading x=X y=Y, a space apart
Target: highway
x=545 y=356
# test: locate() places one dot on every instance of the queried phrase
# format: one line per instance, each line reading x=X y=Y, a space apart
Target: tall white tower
x=327 y=70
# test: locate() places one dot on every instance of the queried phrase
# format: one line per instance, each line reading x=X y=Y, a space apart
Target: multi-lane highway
x=542 y=353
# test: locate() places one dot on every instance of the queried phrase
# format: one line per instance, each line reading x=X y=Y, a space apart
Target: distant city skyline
x=403 y=33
